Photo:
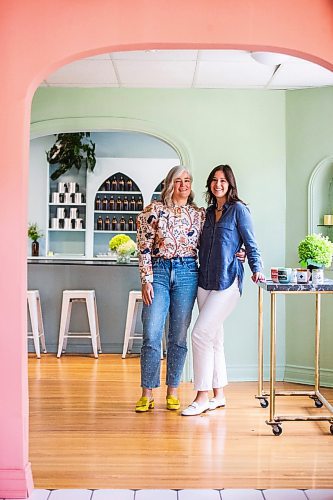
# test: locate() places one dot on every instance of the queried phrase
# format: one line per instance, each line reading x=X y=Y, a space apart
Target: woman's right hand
x=147 y=293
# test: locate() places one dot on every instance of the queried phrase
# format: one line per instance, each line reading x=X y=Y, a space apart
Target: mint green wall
x=309 y=127
x=206 y=127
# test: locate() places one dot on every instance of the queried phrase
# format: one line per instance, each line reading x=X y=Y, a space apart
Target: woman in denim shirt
x=228 y=225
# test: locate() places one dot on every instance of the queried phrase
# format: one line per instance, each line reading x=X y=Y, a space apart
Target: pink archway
x=39 y=36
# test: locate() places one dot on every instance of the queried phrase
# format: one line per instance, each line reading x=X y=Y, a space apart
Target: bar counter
x=111 y=281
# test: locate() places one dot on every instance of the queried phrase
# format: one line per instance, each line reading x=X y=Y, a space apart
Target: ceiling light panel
x=228 y=75
x=156 y=55
x=224 y=56
x=85 y=72
x=155 y=74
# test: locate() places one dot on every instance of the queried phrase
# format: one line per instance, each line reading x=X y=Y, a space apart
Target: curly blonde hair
x=167 y=191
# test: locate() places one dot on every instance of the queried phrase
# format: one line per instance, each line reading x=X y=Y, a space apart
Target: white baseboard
x=305 y=375
x=244 y=373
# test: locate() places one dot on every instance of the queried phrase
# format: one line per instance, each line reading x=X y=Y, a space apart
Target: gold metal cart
x=275 y=289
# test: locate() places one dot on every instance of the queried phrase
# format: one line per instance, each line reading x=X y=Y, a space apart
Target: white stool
x=36 y=320
x=134 y=299
x=89 y=298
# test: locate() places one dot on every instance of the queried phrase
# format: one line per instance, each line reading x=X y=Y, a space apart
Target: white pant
x=207 y=337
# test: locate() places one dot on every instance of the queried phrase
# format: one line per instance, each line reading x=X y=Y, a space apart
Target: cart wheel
x=277 y=430
x=263 y=403
x=331 y=428
x=318 y=403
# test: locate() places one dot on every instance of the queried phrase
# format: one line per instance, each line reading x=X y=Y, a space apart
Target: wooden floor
x=84 y=433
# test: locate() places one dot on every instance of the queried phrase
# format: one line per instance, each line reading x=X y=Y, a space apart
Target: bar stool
x=36 y=319
x=89 y=298
x=134 y=300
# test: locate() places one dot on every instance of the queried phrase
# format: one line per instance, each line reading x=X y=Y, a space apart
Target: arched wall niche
x=111 y=124
x=50 y=43
x=320 y=197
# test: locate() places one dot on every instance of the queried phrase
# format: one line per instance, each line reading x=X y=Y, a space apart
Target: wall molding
x=305 y=375
x=110 y=124
x=312 y=224
x=16 y=483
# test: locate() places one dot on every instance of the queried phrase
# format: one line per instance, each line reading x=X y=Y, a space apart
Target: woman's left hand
x=241 y=255
x=258 y=277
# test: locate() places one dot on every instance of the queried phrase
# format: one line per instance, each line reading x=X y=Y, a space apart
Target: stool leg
x=99 y=345
x=135 y=315
x=41 y=326
x=128 y=327
x=92 y=324
x=64 y=323
x=68 y=320
x=34 y=324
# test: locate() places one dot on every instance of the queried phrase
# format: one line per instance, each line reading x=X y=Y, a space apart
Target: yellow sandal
x=172 y=403
x=144 y=404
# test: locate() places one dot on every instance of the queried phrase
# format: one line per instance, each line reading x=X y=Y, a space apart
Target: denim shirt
x=219 y=241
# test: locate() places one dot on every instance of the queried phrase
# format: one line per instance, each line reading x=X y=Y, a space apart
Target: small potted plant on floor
x=34 y=233
x=315 y=251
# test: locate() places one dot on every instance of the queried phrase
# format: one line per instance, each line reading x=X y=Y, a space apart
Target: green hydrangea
x=118 y=240
x=315 y=249
x=127 y=248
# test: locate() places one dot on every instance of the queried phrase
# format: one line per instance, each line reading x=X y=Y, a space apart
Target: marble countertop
x=270 y=286
x=81 y=261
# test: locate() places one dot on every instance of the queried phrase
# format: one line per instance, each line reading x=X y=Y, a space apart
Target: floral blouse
x=167 y=232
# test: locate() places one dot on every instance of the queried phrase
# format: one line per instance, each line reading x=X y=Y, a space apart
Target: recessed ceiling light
x=269 y=58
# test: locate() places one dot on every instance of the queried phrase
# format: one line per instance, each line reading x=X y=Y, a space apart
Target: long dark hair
x=232 y=194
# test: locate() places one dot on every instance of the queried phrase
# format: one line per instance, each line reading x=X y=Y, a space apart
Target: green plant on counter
x=71 y=150
x=315 y=250
x=34 y=233
x=118 y=240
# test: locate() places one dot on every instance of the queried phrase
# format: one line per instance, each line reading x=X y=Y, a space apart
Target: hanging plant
x=71 y=150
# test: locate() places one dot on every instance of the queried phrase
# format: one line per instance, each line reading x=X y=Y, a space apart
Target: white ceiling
x=209 y=69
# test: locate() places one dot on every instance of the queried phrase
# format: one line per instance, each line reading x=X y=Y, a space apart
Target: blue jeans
x=175 y=287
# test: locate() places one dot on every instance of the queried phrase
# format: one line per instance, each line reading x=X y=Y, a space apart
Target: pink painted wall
x=36 y=37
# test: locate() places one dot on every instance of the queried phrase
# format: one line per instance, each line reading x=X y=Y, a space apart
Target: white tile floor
x=233 y=494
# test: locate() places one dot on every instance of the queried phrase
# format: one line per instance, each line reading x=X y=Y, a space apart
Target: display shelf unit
x=156 y=196
x=117 y=202
x=144 y=176
x=66 y=213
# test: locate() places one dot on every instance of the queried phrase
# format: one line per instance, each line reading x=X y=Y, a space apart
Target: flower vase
x=35 y=248
x=123 y=259
x=311 y=267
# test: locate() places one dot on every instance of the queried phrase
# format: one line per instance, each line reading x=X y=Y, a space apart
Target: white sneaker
x=216 y=403
x=195 y=409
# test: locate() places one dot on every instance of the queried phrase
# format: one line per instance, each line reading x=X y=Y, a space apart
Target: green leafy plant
x=315 y=250
x=34 y=233
x=118 y=240
x=71 y=150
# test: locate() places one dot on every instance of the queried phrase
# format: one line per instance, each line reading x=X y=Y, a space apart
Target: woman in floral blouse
x=168 y=235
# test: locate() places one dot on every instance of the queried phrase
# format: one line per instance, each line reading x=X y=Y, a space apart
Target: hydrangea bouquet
x=315 y=250
x=124 y=247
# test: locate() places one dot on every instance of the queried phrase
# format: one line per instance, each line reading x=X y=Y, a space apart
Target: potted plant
x=71 y=150
x=315 y=251
x=123 y=246
x=34 y=233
